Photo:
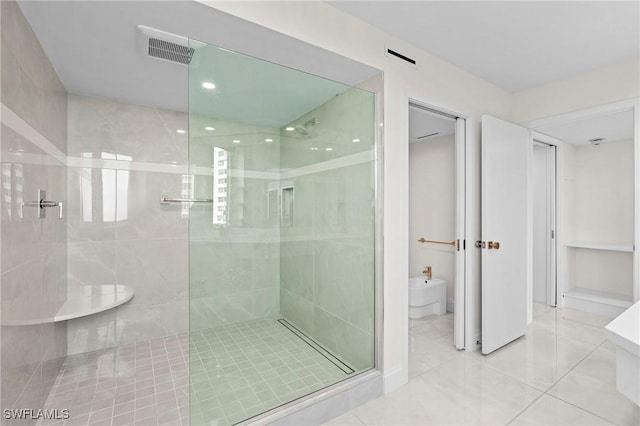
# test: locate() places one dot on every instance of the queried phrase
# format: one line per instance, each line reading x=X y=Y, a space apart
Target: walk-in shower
x=282 y=260
x=232 y=197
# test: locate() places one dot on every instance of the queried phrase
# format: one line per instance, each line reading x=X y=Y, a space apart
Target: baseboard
x=322 y=406
x=395 y=378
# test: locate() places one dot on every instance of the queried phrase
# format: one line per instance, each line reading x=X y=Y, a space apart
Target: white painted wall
x=432 y=208
x=604 y=85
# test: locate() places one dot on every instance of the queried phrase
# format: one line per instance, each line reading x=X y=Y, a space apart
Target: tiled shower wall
x=235 y=265
x=327 y=254
x=33 y=269
x=122 y=158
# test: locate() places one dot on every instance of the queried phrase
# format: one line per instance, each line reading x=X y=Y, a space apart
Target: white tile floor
x=561 y=373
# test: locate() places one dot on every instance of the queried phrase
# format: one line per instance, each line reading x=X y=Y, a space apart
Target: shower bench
x=81 y=301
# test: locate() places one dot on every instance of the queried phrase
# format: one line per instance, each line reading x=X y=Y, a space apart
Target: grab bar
x=42 y=204
x=167 y=200
x=449 y=243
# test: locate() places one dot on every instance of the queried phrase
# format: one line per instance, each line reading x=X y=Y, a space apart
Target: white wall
x=604 y=85
x=432 y=208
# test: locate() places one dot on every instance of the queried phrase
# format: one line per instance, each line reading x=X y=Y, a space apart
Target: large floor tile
x=550 y=411
x=461 y=391
x=428 y=351
x=592 y=385
x=348 y=419
x=541 y=357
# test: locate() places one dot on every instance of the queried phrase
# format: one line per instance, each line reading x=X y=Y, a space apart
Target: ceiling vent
x=163 y=45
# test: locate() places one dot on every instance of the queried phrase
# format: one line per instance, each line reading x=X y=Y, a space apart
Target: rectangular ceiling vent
x=170 y=51
x=401 y=56
x=166 y=46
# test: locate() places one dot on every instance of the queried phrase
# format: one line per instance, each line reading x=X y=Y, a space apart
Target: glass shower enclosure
x=281 y=234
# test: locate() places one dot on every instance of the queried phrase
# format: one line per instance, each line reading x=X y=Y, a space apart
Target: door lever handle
x=480 y=244
x=494 y=245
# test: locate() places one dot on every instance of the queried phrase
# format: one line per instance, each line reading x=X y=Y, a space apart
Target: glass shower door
x=281 y=281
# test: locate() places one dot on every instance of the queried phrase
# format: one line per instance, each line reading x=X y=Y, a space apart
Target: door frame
x=625 y=105
x=464 y=333
x=555 y=184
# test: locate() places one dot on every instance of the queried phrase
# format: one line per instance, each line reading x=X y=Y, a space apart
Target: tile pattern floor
x=143 y=384
x=237 y=371
x=561 y=373
x=241 y=370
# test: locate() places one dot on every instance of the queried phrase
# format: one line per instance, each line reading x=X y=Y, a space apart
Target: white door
x=460 y=211
x=505 y=163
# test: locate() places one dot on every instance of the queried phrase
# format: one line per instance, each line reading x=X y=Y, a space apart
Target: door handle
x=494 y=245
x=481 y=244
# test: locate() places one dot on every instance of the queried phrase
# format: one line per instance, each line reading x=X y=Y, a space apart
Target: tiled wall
x=122 y=158
x=327 y=254
x=186 y=271
x=234 y=264
x=33 y=269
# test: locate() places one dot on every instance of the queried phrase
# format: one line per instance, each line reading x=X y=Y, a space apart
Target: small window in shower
x=220 y=194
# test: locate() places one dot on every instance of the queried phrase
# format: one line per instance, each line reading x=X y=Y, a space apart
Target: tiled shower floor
x=237 y=371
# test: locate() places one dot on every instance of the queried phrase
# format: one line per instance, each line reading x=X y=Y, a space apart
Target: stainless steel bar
x=168 y=200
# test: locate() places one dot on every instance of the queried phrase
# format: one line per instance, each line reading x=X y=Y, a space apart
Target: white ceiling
x=613 y=127
x=92 y=46
x=423 y=123
x=513 y=44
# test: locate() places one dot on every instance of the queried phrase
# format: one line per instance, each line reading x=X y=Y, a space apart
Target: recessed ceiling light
x=236 y=141
x=181 y=131
x=290 y=129
x=268 y=140
x=208 y=85
x=209 y=128
x=313 y=148
x=355 y=140
x=328 y=149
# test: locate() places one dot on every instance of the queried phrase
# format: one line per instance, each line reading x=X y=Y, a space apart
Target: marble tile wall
x=186 y=271
x=327 y=255
x=235 y=264
x=117 y=230
x=33 y=251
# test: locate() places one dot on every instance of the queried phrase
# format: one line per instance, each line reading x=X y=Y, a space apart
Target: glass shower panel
x=281 y=280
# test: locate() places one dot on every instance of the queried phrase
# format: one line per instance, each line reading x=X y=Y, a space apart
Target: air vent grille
x=170 y=51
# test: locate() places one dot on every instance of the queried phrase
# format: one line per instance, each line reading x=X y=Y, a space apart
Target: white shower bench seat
x=81 y=301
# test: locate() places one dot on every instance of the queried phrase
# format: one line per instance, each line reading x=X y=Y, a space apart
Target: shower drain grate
x=317 y=347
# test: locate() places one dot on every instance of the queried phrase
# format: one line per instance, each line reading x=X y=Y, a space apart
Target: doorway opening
x=437 y=214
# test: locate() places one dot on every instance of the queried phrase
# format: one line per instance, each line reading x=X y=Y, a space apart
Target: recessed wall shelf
x=597 y=302
x=600 y=246
x=86 y=300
